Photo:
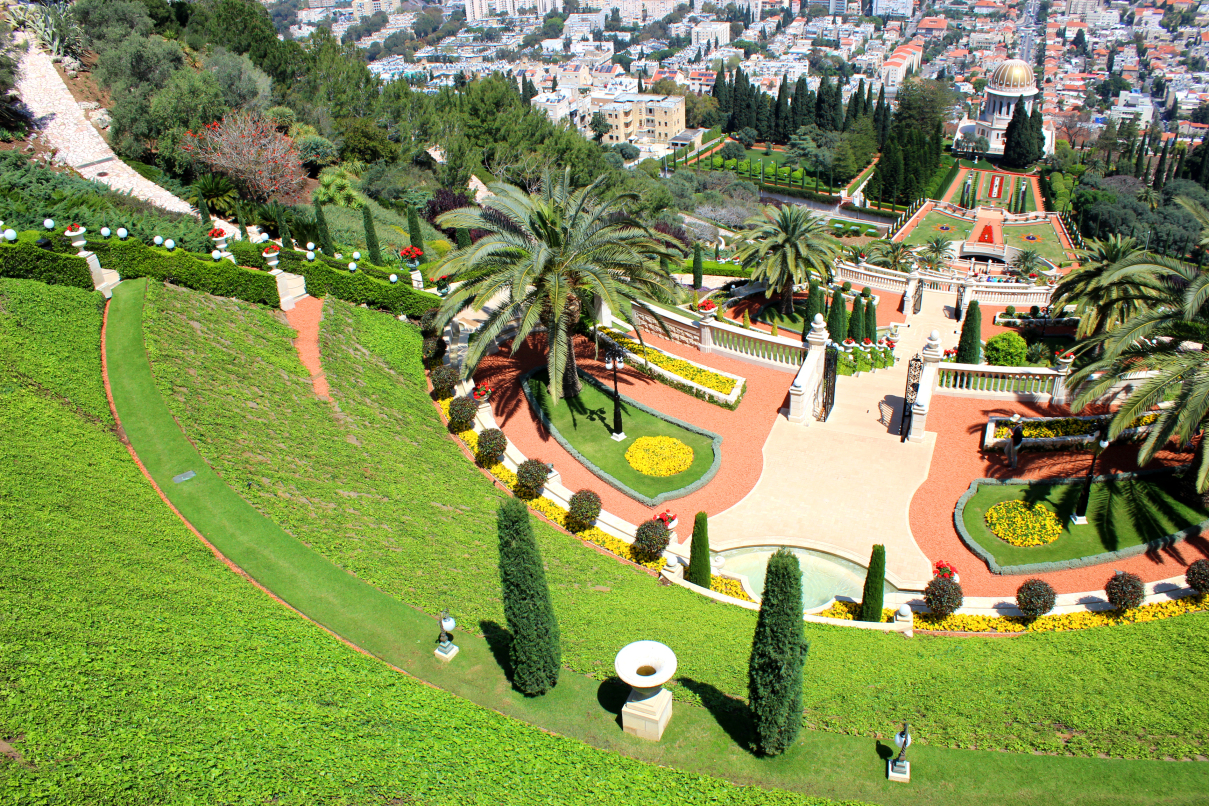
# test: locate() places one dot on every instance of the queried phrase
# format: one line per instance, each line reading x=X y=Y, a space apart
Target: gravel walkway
x=305 y=317
x=958 y=423
x=743 y=431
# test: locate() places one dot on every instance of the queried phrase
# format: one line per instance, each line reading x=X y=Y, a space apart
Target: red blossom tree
x=248 y=148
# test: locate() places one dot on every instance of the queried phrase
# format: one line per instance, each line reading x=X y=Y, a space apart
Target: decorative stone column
x=805 y=385
x=913 y=281
x=931 y=355
x=1061 y=391
x=601 y=311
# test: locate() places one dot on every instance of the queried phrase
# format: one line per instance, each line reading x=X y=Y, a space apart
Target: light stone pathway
x=77 y=142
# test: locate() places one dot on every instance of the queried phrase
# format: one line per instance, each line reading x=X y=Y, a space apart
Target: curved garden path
x=305 y=318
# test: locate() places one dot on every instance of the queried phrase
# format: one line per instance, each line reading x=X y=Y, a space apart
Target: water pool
x=824 y=576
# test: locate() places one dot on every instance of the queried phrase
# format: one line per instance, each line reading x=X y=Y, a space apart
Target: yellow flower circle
x=1017 y=523
x=659 y=456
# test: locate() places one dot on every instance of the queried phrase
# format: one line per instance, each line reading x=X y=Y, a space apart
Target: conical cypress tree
x=371 y=236
x=837 y=317
x=1018 y=139
x=286 y=242
x=816 y=303
x=856 y=322
x=1037 y=132
x=698 y=282
x=243 y=224
x=535 y=652
x=1137 y=163
x=870 y=320
x=699 y=571
x=462 y=237
x=203 y=210
x=969 y=346
x=778 y=654
x=875 y=586
x=413 y=229
x=325 y=236
x=1162 y=167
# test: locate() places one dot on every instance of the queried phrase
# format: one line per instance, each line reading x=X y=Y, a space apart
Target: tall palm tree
x=545 y=253
x=935 y=253
x=1102 y=305
x=1027 y=262
x=787 y=246
x=894 y=255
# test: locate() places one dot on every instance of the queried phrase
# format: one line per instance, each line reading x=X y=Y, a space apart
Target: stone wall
x=681 y=331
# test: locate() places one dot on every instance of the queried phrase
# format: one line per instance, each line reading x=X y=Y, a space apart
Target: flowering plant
x=74 y=227
x=945 y=569
x=443 y=282
x=667 y=516
x=867 y=340
x=889 y=343
x=1033 y=276
x=411 y=253
x=849 y=341
x=707 y=306
x=216 y=233
x=272 y=249
x=482 y=391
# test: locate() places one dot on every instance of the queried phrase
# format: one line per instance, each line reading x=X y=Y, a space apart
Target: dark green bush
x=23 y=260
x=1197 y=576
x=1124 y=590
x=1035 y=598
x=428 y=321
x=943 y=596
x=535 y=652
x=1035 y=311
x=1010 y=310
x=444 y=381
x=874 y=593
x=1006 y=350
x=532 y=474
x=650 y=540
x=492 y=444
x=461 y=413
x=778 y=655
x=699 y=570
x=433 y=349
x=131 y=259
x=585 y=506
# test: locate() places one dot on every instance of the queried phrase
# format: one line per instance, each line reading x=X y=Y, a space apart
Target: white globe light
x=169 y=244
x=394 y=278
x=10 y=234
x=122 y=233
x=310 y=255
x=159 y=241
x=217 y=255
x=352 y=267
x=310 y=247
x=356 y=255
x=49 y=223
x=106 y=232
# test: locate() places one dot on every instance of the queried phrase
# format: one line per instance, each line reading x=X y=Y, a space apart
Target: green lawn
x=928 y=228
x=1047 y=243
x=1120 y=514
x=771 y=312
x=586 y=422
x=377 y=487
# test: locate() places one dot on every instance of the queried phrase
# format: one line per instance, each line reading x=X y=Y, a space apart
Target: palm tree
x=788 y=246
x=545 y=253
x=336 y=188
x=893 y=255
x=1149 y=196
x=935 y=253
x=1100 y=305
x=217 y=190
x=1027 y=262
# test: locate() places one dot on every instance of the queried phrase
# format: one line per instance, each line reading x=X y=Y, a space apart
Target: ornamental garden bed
x=1056 y=433
x=1026 y=321
x=583 y=426
x=710 y=385
x=1127 y=514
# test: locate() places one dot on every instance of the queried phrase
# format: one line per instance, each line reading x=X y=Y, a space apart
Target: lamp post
x=446 y=648
x=898 y=768
x=614 y=357
x=1101 y=436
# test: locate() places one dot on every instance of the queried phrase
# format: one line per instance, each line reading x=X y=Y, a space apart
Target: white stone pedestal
x=647 y=712
x=900 y=772
x=618 y=437
x=446 y=652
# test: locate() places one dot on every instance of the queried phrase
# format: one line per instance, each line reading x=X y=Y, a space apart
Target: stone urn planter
x=271 y=257
x=75 y=234
x=220 y=239
x=646 y=666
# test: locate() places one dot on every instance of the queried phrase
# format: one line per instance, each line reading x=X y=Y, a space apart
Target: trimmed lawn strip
x=699 y=739
x=926 y=228
x=586 y=423
x=1047 y=243
x=404 y=509
x=1120 y=514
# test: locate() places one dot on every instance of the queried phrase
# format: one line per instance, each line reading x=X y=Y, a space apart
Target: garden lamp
x=446 y=648
x=615 y=360
x=1101 y=438
x=49 y=223
x=898 y=768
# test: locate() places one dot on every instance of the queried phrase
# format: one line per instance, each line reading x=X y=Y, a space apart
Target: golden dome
x=1013 y=74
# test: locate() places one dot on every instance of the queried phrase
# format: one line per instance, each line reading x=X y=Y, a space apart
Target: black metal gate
x=961 y=299
x=915 y=370
x=918 y=302
x=831 y=361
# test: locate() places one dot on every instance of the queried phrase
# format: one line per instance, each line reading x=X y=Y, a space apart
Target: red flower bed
x=996 y=186
x=988 y=234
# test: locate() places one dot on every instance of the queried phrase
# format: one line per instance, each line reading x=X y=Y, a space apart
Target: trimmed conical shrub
x=203 y=209
x=875 y=586
x=698 y=275
x=837 y=317
x=286 y=242
x=462 y=237
x=371 y=236
x=816 y=303
x=778 y=653
x=414 y=234
x=870 y=320
x=534 y=652
x=969 y=346
x=699 y=571
x=325 y=235
x=856 y=322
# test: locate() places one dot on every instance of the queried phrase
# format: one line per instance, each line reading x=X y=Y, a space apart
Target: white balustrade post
x=705 y=335
x=805 y=384
x=931 y=355
x=602 y=312
x=1060 y=390
x=913 y=281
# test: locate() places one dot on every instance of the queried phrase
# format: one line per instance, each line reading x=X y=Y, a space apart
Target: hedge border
x=705 y=478
x=1076 y=562
x=24 y=260
x=132 y=259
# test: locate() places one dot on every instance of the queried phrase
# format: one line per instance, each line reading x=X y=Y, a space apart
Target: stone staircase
x=103 y=280
x=290 y=288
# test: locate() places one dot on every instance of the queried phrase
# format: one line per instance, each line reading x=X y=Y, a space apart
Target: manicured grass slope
x=137 y=669
x=379 y=488
x=926 y=229
x=1119 y=515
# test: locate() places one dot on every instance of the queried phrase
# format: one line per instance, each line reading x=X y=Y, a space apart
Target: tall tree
x=870 y=319
x=1161 y=167
x=856 y=321
x=371 y=236
x=1137 y=163
x=1018 y=140
x=325 y=235
x=535 y=650
x=414 y=234
x=837 y=317
x=698 y=279
x=699 y=570
x=969 y=345
x=875 y=586
x=778 y=655
x=781 y=115
x=787 y=246
x=816 y=303
x=1037 y=132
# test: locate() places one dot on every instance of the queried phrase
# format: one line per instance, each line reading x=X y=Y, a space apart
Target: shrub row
x=132 y=259
x=23 y=260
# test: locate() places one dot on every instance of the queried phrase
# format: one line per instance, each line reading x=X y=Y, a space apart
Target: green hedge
x=132 y=259
x=716 y=269
x=25 y=261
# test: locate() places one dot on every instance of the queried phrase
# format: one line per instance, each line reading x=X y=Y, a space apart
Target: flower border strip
x=1076 y=562
x=706 y=478
x=644 y=365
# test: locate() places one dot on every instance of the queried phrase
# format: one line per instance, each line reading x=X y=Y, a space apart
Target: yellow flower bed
x=552 y=511
x=729 y=587
x=1017 y=523
x=659 y=456
x=1055 y=623
x=677 y=366
x=1063 y=427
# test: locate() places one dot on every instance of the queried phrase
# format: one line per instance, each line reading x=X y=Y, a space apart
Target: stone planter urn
x=271 y=257
x=76 y=236
x=220 y=241
x=646 y=666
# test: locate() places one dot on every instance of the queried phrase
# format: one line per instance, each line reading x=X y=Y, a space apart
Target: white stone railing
x=1032 y=384
x=998 y=250
x=753 y=346
x=931 y=355
x=955 y=210
x=1021 y=295
x=869 y=275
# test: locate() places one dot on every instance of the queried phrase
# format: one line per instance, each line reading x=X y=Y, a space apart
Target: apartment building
x=367 y=8
x=893 y=8
x=716 y=32
x=634 y=116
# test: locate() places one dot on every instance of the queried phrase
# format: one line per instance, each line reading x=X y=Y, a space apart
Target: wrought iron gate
x=831 y=359
x=918 y=302
x=915 y=370
x=961 y=299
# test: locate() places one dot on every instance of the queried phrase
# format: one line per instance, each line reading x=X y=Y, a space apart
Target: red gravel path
x=305 y=318
x=743 y=430
x=957 y=460
x=888 y=311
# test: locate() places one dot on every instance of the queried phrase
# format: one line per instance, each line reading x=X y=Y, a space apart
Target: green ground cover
x=377 y=487
x=1047 y=243
x=1120 y=514
x=586 y=423
x=927 y=228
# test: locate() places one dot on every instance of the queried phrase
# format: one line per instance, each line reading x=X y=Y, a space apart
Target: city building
x=716 y=32
x=633 y=117
x=893 y=8
x=1010 y=83
x=477 y=10
x=367 y=8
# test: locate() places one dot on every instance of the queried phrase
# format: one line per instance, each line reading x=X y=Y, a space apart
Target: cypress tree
x=243 y=224
x=1162 y=166
x=203 y=210
x=816 y=303
x=875 y=586
x=781 y=117
x=699 y=571
x=286 y=242
x=325 y=236
x=837 y=317
x=414 y=235
x=870 y=320
x=822 y=104
x=534 y=652
x=1137 y=163
x=698 y=282
x=778 y=654
x=371 y=237
x=462 y=237
x=856 y=322
x=1202 y=177
x=1170 y=169
x=1037 y=132
x=1179 y=169
x=1017 y=141
x=969 y=346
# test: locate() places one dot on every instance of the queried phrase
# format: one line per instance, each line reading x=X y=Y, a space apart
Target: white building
x=477 y=10
x=1135 y=105
x=1011 y=83
x=716 y=32
x=893 y=8
x=581 y=26
x=367 y=8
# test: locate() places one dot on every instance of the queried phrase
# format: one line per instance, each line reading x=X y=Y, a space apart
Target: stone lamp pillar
x=805 y=386
x=646 y=666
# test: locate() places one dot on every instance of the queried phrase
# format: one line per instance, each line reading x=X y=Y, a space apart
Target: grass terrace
x=1046 y=243
x=929 y=227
